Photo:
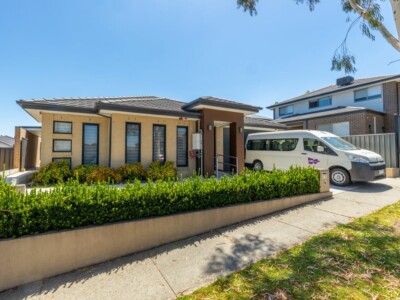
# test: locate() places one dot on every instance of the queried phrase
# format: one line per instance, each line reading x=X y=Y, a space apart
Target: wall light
x=241 y=129
x=210 y=127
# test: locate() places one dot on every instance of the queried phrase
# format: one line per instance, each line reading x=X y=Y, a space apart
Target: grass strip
x=360 y=260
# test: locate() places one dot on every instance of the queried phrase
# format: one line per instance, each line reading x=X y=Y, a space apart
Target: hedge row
x=60 y=172
x=74 y=204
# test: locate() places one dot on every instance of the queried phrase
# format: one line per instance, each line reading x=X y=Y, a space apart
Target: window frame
x=165 y=142
x=98 y=141
x=287 y=114
x=368 y=97
x=318 y=101
x=187 y=146
x=57 y=151
x=126 y=140
x=54 y=127
x=67 y=159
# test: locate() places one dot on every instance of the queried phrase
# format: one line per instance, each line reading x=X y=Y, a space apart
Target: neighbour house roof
x=340 y=110
x=6 y=141
x=332 y=89
x=258 y=121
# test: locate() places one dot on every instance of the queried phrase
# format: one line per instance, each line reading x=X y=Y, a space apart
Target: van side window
x=258 y=145
x=283 y=144
x=272 y=145
x=312 y=145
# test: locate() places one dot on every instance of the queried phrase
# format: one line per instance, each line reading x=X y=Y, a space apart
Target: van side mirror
x=320 y=149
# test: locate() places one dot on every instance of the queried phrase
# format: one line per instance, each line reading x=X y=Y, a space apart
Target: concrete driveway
x=181 y=267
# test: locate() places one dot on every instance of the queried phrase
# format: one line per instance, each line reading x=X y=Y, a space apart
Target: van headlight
x=356 y=158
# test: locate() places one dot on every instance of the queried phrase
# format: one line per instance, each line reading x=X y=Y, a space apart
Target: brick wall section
x=391 y=103
x=360 y=122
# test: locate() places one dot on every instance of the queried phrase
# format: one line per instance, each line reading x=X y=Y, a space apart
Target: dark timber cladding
x=236 y=121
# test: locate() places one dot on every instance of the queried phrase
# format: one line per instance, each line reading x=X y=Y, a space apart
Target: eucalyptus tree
x=368 y=16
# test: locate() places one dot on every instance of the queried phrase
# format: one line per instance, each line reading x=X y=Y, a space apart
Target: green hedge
x=75 y=204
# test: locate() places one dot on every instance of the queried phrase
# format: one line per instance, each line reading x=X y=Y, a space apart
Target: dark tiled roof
x=332 y=89
x=340 y=110
x=219 y=102
x=150 y=104
x=258 y=121
x=6 y=141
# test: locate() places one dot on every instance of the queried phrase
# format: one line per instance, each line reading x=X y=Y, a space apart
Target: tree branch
x=396 y=14
x=380 y=27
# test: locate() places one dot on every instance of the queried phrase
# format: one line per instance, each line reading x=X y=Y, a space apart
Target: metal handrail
x=224 y=163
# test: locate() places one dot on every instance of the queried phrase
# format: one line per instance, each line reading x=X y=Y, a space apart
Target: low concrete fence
x=36 y=257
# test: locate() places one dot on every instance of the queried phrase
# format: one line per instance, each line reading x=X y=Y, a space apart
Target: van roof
x=291 y=133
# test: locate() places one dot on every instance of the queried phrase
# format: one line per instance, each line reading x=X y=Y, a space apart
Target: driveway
x=181 y=267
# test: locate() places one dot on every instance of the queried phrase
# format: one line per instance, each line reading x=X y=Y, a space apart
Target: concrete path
x=181 y=267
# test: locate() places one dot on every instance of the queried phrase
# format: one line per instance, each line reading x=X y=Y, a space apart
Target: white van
x=323 y=150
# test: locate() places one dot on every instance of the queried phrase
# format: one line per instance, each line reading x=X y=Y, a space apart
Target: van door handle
x=304 y=153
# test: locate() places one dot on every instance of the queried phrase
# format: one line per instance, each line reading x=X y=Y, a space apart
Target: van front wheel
x=258 y=166
x=339 y=177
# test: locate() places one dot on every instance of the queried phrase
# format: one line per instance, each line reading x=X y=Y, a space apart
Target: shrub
x=55 y=172
x=103 y=174
x=132 y=172
x=82 y=172
x=159 y=171
x=74 y=204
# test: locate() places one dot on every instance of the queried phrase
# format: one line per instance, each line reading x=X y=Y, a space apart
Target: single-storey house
x=118 y=130
x=350 y=107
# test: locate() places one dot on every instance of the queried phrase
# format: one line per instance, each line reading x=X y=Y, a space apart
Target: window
x=286 y=110
x=320 y=102
x=62 y=127
x=312 y=146
x=132 y=143
x=364 y=95
x=159 y=143
x=67 y=159
x=181 y=146
x=340 y=129
x=258 y=145
x=90 y=149
x=62 y=145
x=283 y=144
x=272 y=145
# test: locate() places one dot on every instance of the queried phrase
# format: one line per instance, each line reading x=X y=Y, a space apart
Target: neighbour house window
x=312 y=146
x=159 y=138
x=272 y=145
x=182 y=146
x=62 y=127
x=132 y=143
x=286 y=110
x=67 y=159
x=62 y=145
x=90 y=147
x=364 y=95
x=320 y=102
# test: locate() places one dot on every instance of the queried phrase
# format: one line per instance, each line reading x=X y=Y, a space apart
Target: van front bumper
x=367 y=172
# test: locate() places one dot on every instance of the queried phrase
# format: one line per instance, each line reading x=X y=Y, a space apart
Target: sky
x=179 y=49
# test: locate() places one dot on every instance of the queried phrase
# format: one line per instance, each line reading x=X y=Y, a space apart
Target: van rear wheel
x=258 y=166
x=339 y=177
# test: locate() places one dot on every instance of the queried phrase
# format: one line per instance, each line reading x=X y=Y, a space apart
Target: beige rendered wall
x=118 y=139
x=20 y=134
x=77 y=120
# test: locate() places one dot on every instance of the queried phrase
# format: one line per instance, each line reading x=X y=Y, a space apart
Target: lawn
x=360 y=260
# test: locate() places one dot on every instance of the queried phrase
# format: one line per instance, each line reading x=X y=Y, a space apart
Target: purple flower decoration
x=313 y=161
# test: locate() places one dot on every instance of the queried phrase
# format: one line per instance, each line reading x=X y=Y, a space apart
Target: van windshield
x=339 y=143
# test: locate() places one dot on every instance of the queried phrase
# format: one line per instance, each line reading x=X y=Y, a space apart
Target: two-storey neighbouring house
x=351 y=107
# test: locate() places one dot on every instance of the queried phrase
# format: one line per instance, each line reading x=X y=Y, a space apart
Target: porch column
x=208 y=144
x=237 y=143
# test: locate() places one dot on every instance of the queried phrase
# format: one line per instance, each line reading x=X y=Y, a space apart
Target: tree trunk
x=396 y=14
